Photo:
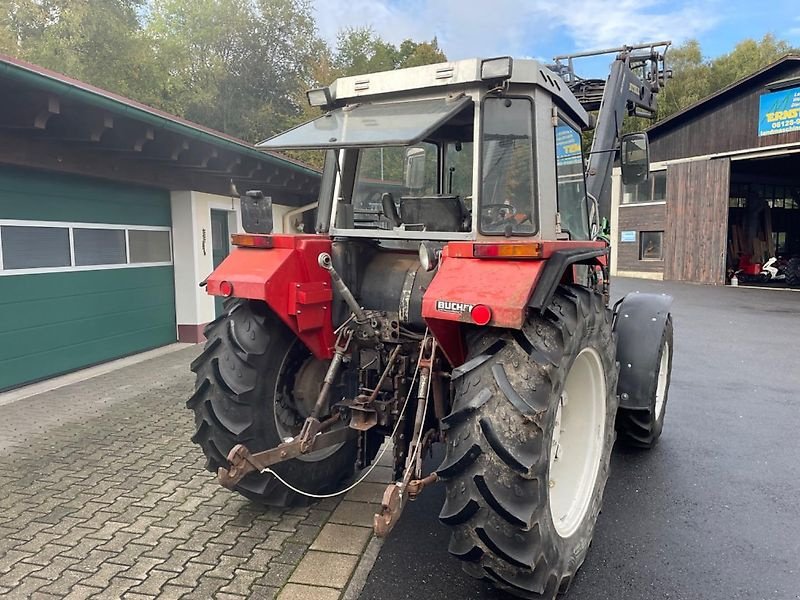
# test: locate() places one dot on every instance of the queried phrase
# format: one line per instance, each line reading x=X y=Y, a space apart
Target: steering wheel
x=499 y=215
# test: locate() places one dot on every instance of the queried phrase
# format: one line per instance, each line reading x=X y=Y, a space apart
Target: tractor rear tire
x=244 y=388
x=641 y=427
x=518 y=518
x=792 y=271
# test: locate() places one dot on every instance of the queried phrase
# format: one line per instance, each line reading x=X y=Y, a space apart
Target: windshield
x=383 y=171
x=421 y=187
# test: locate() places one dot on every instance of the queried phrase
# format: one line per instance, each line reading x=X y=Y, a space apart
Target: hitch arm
x=242 y=462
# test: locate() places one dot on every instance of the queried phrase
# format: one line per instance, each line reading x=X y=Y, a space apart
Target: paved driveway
x=713 y=513
x=103 y=495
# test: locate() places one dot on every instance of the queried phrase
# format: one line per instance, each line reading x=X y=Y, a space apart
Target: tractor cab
x=466 y=150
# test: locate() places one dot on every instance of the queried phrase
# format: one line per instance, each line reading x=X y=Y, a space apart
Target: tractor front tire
x=245 y=388
x=641 y=427
x=528 y=445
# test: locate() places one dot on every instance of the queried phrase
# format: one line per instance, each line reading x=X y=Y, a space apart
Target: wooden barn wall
x=638 y=218
x=697 y=221
x=728 y=127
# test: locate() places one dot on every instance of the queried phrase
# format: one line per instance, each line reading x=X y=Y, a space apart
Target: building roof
x=723 y=95
x=38 y=105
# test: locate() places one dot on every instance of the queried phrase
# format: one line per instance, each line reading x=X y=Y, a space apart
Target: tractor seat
x=433 y=213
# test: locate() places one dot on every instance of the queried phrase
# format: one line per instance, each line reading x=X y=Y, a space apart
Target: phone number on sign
x=785 y=124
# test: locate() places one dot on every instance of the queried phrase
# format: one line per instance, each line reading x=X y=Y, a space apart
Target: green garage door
x=85 y=273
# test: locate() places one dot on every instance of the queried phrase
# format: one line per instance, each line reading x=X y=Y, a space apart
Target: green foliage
x=240 y=66
x=359 y=50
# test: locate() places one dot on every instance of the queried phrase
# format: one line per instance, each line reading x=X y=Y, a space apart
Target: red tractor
x=454 y=291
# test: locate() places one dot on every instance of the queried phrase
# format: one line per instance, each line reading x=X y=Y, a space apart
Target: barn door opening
x=764 y=221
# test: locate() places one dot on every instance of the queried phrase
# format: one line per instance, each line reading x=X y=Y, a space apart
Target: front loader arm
x=637 y=75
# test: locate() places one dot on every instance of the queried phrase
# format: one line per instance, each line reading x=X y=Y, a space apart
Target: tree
x=745 y=59
x=696 y=77
x=360 y=50
x=690 y=79
x=98 y=41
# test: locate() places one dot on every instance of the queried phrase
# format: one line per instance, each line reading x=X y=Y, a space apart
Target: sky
x=545 y=28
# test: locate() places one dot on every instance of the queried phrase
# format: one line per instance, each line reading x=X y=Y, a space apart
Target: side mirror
x=635 y=158
x=414 y=174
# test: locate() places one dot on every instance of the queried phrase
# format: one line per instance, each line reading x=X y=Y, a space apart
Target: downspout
x=296 y=211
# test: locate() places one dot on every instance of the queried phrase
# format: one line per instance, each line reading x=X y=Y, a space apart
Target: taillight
x=226 y=288
x=251 y=240
x=507 y=250
x=481 y=314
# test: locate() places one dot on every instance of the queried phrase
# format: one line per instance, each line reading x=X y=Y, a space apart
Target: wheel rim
x=577 y=444
x=289 y=413
x=661 y=386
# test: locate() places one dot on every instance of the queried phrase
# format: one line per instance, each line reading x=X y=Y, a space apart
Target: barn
x=723 y=195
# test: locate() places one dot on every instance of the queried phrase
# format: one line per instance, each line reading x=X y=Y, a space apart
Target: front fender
x=639 y=322
x=288 y=278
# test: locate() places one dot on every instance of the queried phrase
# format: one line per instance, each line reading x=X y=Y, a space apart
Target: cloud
x=468 y=28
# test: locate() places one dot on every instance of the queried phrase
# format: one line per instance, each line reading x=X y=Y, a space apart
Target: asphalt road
x=713 y=512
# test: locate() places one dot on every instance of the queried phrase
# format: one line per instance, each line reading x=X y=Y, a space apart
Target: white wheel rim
x=661 y=386
x=576 y=449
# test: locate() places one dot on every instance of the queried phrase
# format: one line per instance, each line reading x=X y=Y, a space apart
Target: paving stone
x=290 y=554
x=26 y=589
x=81 y=592
x=102 y=577
x=324 y=568
x=116 y=587
x=367 y=492
x=305 y=534
x=294 y=591
x=156 y=578
x=173 y=592
x=64 y=583
x=342 y=538
x=242 y=581
x=141 y=518
x=191 y=574
x=128 y=555
x=142 y=567
x=275 y=540
x=263 y=592
x=276 y=575
x=355 y=513
x=53 y=570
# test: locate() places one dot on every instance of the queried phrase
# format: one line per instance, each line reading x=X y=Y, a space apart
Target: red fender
x=504 y=286
x=288 y=278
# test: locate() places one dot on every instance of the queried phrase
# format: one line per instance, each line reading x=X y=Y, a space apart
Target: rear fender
x=639 y=322
x=461 y=283
x=288 y=278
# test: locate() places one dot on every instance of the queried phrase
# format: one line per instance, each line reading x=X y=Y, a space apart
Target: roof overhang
x=51 y=121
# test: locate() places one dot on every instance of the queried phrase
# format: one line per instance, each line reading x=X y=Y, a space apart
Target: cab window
x=507 y=191
x=572 y=205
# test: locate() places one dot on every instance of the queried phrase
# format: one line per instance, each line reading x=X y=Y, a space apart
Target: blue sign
x=568 y=146
x=779 y=112
x=627 y=236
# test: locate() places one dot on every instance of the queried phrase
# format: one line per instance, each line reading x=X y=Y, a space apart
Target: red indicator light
x=226 y=288
x=481 y=314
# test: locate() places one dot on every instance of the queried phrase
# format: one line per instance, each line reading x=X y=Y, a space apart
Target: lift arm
x=637 y=75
